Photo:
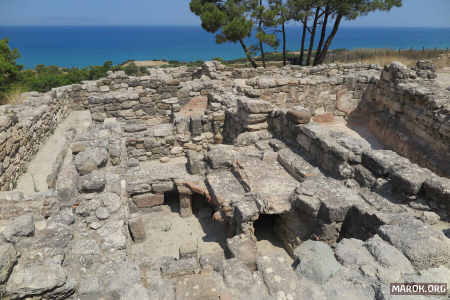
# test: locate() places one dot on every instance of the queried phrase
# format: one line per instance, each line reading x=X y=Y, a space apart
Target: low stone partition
x=353 y=160
x=146 y=142
x=335 y=89
x=23 y=129
x=409 y=113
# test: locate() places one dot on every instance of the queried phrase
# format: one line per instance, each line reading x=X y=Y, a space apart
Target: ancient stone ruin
x=326 y=182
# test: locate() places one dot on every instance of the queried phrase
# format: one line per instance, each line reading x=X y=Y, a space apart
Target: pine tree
x=278 y=15
x=346 y=10
x=230 y=20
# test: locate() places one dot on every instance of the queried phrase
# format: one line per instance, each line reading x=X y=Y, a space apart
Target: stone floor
x=35 y=179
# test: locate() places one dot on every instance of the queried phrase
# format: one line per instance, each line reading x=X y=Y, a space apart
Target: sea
x=81 y=46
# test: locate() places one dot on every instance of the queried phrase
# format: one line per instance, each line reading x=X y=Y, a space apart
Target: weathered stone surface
x=90 y=160
x=317 y=261
x=221 y=156
x=113 y=235
x=102 y=213
x=37 y=279
x=137 y=229
x=163 y=186
x=82 y=229
x=93 y=182
x=196 y=164
x=278 y=276
x=225 y=188
x=255 y=106
x=244 y=249
x=8 y=258
x=148 y=200
x=241 y=282
x=111 y=201
x=437 y=190
x=296 y=165
x=299 y=115
x=182 y=267
x=424 y=246
x=20 y=227
x=374 y=258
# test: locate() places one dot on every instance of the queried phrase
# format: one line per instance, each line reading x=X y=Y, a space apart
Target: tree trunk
x=322 y=35
x=284 y=43
x=302 y=49
x=327 y=45
x=249 y=57
x=313 y=35
x=261 y=44
x=263 y=55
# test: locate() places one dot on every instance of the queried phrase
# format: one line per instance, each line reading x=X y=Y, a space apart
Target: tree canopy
x=236 y=20
x=9 y=69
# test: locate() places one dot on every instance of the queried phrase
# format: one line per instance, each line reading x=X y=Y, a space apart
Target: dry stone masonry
x=326 y=182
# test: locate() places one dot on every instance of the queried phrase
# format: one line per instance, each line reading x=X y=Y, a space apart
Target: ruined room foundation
x=227 y=183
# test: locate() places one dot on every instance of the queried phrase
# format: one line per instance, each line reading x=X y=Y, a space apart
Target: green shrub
x=9 y=70
x=131 y=69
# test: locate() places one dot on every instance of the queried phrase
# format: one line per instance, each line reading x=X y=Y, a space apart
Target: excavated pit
x=209 y=183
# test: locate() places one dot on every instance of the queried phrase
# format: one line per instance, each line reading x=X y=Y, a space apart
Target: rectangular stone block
x=148 y=200
x=185 y=205
x=137 y=230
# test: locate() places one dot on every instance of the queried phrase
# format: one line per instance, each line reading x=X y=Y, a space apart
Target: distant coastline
x=81 y=46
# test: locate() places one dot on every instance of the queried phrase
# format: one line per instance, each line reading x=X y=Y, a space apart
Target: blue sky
x=414 y=13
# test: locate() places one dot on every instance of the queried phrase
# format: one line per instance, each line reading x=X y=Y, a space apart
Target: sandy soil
x=149 y=63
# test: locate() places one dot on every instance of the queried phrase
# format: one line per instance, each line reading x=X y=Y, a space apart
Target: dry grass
x=386 y=60
x=147 y=63
x=443 y=61
x=386 y=56
x=14 y=96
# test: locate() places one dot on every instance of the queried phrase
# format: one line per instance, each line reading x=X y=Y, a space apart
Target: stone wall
x=355 y=161
x=408 y=112
x=23 y=129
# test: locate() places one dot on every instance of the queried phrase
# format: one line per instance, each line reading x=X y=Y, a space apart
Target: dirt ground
x=148 y=63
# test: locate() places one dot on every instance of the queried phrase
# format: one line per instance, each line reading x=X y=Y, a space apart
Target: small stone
x=102 y=213
x=132 y=162
x=164 y=159
x=95 y=225
x=176 y=150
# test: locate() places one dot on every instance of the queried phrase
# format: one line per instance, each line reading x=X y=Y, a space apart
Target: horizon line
x=199 y=26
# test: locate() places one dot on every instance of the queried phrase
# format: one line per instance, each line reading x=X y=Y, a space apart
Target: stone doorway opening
x=171 y=199
x=268 y=239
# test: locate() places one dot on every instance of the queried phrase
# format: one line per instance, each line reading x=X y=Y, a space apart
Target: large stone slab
x=423 y=245
x=225 y=188
x=268 y=179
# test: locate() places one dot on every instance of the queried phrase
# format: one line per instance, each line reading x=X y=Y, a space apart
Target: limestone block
x=148 y=200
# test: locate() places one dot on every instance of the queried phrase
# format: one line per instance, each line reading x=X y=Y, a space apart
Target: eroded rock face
x=149 y=203
x=22 y=226
x=8 y=258
x=90 y=159
x=316 y=261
